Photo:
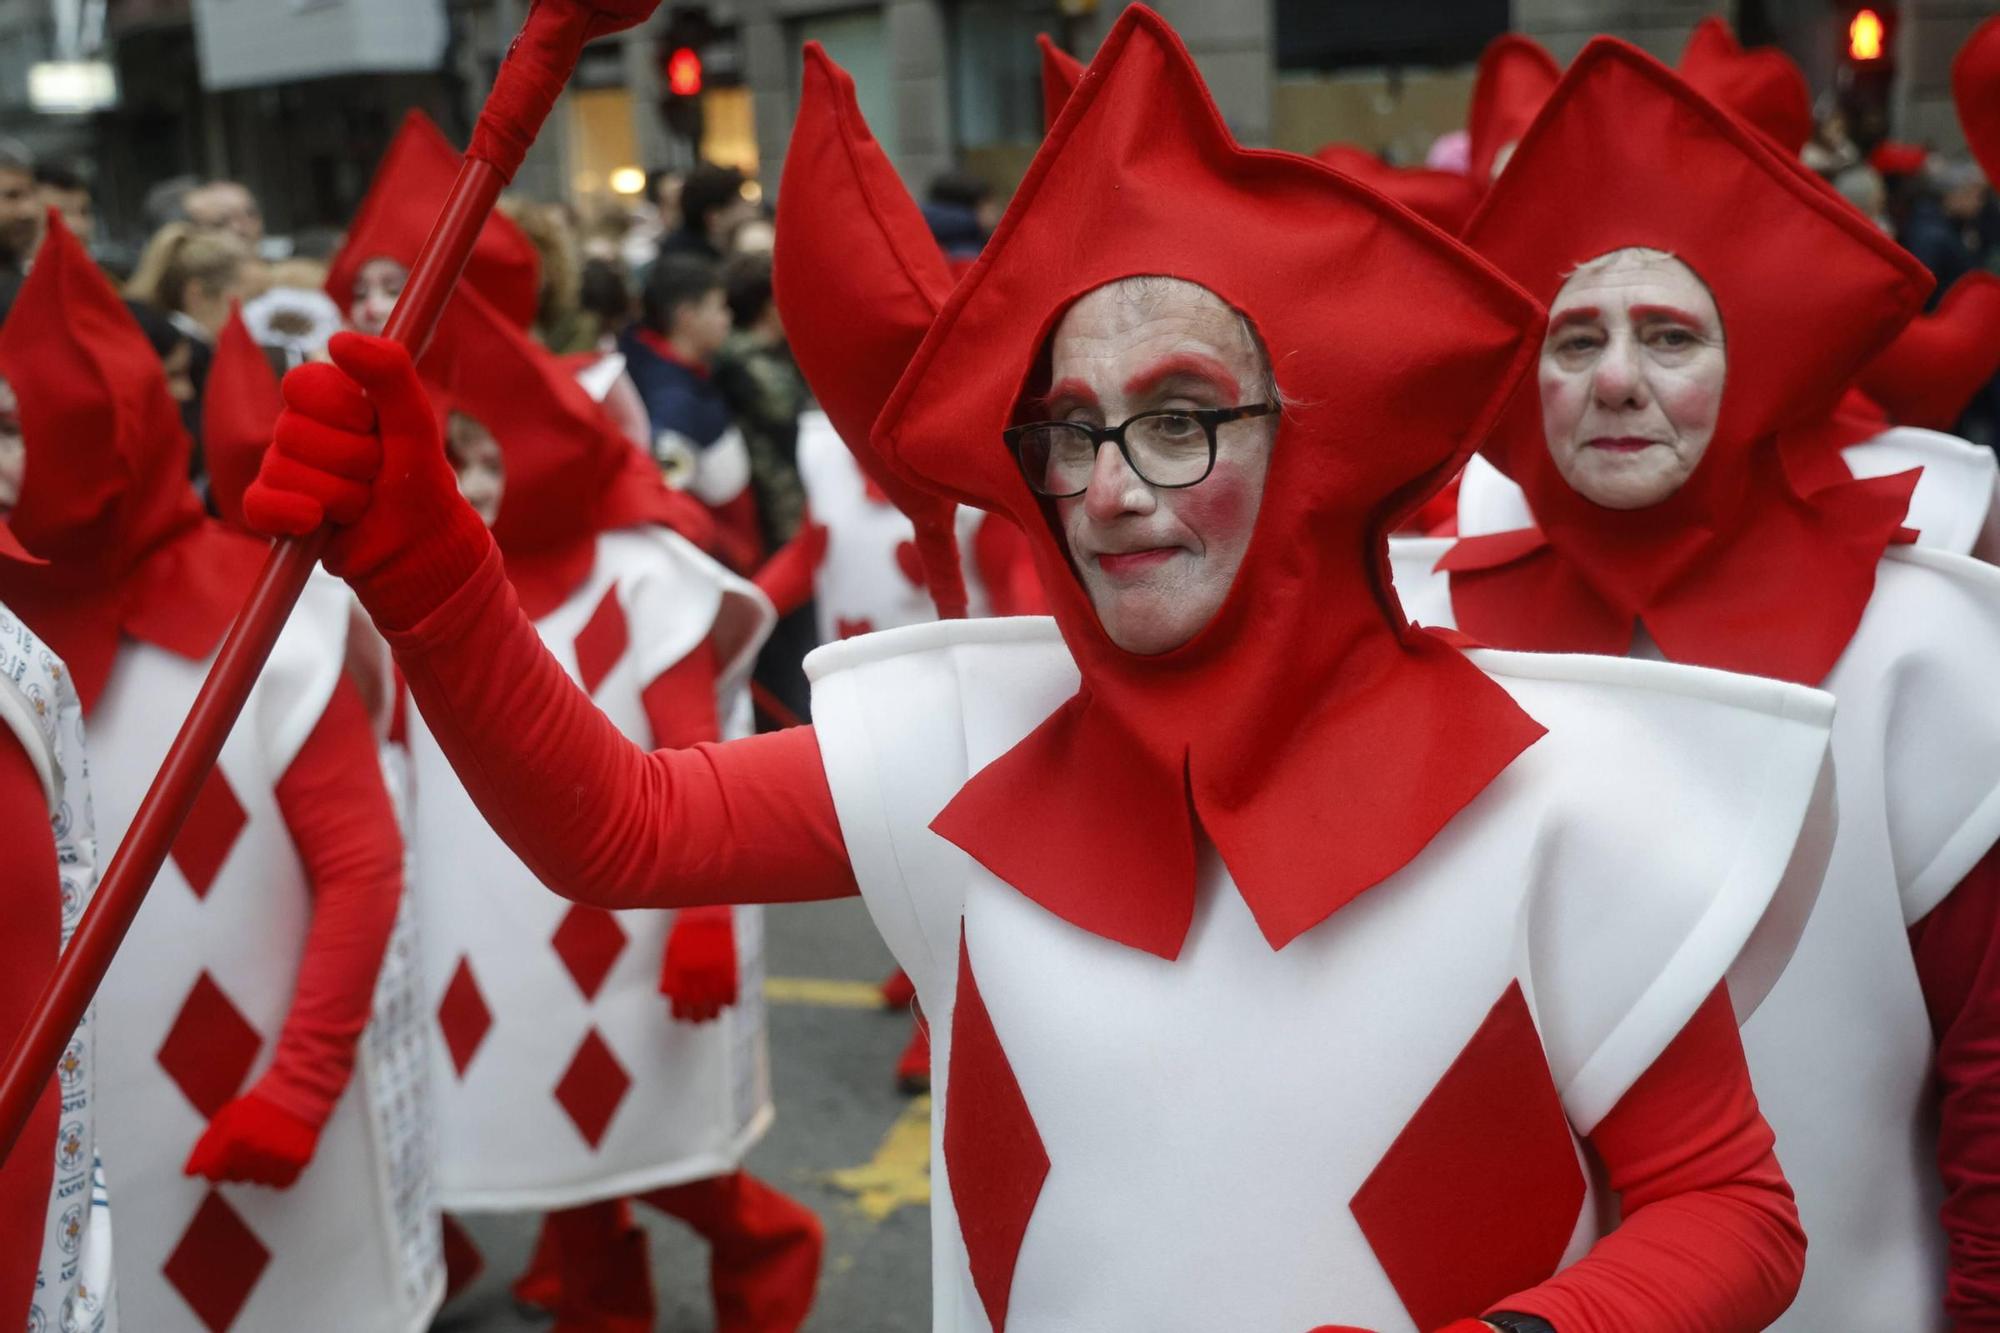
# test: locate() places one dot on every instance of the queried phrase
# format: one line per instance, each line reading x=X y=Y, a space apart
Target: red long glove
x=373 y=464
x=698 y=966
x=30 y=940
x=339 y=817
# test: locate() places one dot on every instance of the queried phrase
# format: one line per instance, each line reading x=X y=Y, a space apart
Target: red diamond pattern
x=463 y=1017
x=589 y=941
x=216 y=1264
x=1477 y=1197
x=592 y=1088
x=210 y=1048
x=601 y=642
x=212 y=828
x=992 y=1150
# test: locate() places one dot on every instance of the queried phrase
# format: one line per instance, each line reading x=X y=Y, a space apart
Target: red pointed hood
x=399 y=210
x=240 y=403
x=1516 y=76
x=1061 y=72
x=1271 y=726
x=106 y=500
x=570 y=472
x=858 y=279
x=1928 y=375
x=1444 y=199
x=1975 y=87
x=1764 y=560
x=1765 y=86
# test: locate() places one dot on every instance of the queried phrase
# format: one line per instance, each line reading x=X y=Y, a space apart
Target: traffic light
x=1867 y=72
x=688 y=33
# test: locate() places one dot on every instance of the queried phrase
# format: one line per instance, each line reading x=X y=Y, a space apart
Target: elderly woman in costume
x=1247 y=1015
x=1678 y=486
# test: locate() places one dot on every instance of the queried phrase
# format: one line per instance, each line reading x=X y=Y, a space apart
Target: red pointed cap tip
x=1763 y=86
x=858 y=277
x=1975 y=85
x=401 y=207
x=1516 y=75
x=1627 y=154
x=239 y=407
x=1061 y=72
x=1381 y=318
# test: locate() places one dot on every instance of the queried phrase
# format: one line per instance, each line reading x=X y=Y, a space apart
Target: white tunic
x=562 y=1076
x=869 y=578
x=1841 y=1051
x=1217 y=1115
x=39 y=705
x=193 y=1008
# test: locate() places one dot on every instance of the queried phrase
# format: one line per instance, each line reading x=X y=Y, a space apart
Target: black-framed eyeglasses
x=1168 y=449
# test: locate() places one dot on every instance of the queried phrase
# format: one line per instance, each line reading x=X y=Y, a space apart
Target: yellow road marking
x=824 y=992
x=899 y=1175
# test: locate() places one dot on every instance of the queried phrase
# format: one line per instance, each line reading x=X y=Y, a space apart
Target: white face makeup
x=1158 y=563
x=13 y=450
x=476 y=458
x=376 y=287
x=1631 y=378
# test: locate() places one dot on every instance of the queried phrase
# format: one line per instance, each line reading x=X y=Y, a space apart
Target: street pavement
x=845 y=1144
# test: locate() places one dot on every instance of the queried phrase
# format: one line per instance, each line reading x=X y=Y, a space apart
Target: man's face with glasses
x=1158 y=528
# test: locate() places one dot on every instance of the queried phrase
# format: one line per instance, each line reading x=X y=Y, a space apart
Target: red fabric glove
x=30 y=940
x=698 y=971
x=254 y=1142
x=337 y=812
x=358 y=445
x=787 y=577
x=1957 y=949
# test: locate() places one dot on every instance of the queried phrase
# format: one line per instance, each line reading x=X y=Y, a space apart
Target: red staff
x=537 y=65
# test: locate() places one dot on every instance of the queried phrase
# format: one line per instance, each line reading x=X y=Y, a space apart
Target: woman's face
x=1631 y=378
x=376 y=287
x=1158 y=563
x=475 y=456
x=13 y=450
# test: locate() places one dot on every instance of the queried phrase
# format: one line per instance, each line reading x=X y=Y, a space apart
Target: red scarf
x=1764 y=561
x=1315 y=738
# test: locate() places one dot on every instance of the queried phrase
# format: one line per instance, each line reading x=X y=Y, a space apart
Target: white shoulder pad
x=599 y=377
x=1916 y=687
x=904 y=717
x=1952 y=508
x=1489 y=502
x=1689 y=820
x=1423 y=590
x=303 y=670
x=676 y=596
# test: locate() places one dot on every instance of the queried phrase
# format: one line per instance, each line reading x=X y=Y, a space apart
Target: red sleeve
x=30 y=939
x=1957 y=949
x=597 y=818
x=738 y=544
x=1711 y=1237
x=1000 y=554
x=787 y=577
x=337 y=810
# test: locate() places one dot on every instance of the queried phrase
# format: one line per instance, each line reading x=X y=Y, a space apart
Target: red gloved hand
x=358 y=446
x=251 y=1140
x=698 y=972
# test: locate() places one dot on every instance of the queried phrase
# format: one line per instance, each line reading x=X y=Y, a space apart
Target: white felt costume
x=39 y=705
x=869 y=578
x=562 y=1077
x=1550 y=888
x=1841 y=1051
x=193 y=1008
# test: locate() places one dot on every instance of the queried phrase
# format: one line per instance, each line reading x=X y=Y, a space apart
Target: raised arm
x=596 y=817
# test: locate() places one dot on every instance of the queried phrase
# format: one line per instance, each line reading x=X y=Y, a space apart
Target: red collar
x=661 y=346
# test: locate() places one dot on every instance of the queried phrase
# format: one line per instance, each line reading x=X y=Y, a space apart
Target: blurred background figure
x=63 y=187
x=226 y=206
x=713 y=201
x=21 y=209
x=192 y=275
x=962 y=212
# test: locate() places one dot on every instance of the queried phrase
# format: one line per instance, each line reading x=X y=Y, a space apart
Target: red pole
x=536 y=67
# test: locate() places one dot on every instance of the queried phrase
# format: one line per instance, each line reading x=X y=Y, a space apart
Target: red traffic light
x=1865 y=33
x=684 y=72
